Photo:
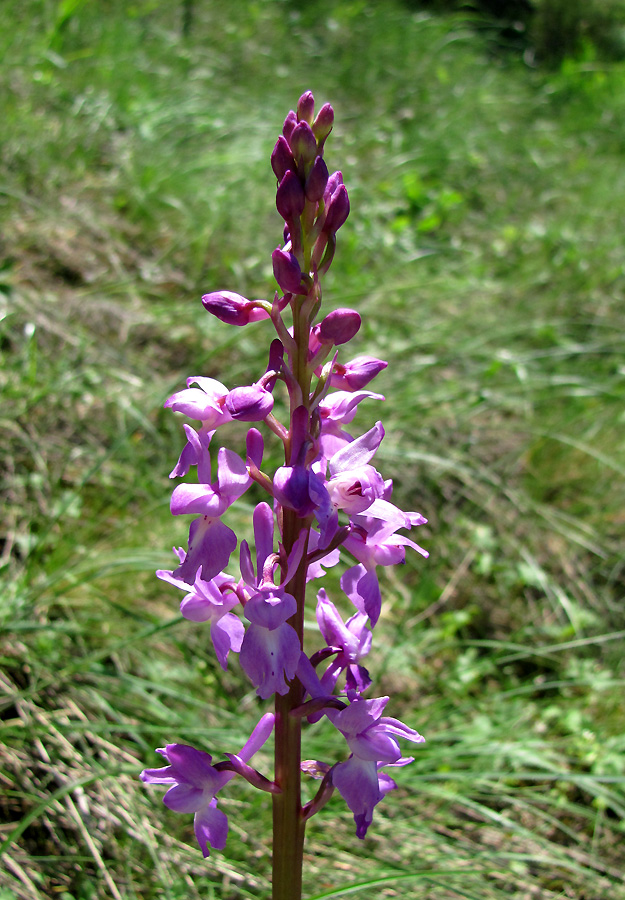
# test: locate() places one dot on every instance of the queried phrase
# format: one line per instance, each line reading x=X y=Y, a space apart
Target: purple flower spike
x=322 y=498
x=233 y=309
x=290 y=197
x=306 y=107
x=249 y=404
x=287 y=272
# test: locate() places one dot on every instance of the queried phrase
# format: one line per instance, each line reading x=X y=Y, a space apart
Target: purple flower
x=212 y=601
x=271 y=649
x=195 y=782
x=372 y=738
x=205 y=402
x=353 y=484
x=210 y=541
x=351 y=641
x=335 y=410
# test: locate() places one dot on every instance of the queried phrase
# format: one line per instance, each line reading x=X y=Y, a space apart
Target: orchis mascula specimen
x=327 y=497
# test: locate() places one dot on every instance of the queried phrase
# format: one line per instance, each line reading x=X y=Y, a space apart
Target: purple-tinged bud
x=306 y=108
x=337 y=210
x=233 y=308
x=287 y=272
x=303 y=144
x=356 y=374
x=322 y=126
x=335 y=179
x=290 y=197
x=317 y=180
x=338 y=327
x=251 y=403
x=282 y=158
x=291 y=489
x=276 y=355
x=289 y=124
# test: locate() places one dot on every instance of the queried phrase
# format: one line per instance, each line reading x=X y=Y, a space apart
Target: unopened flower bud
x=322 y=126
x=306 y=108
x=334 y=180
x=317 y=180
x=338 y=327
x=233 y=308
x=291 y=487
x=282 y=158
x=303 y=144
x=354 y=375
x=287 y=272
x=251 y=403
x=337 y=210
x=290 y=197
x=289 y=124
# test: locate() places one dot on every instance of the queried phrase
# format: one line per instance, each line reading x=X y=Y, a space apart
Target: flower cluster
x=328 y=497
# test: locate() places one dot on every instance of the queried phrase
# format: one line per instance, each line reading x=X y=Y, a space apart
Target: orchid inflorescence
x=327 y=497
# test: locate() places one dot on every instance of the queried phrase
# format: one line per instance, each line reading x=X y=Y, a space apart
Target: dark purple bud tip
x=322 y=126
x=290 y=197
x=303 y=144
x=306 y=108
x=251 y=403
x=317 y=180
x=338 y=327
x=282 y=158
x=289 y=124
x=233 y=308
x=287 y=272
x=335 y=179
x=337 y=210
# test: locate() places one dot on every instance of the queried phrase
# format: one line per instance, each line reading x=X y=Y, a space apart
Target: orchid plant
x=326 y=498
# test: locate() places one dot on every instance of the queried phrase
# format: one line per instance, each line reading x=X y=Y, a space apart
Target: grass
x=484 y=253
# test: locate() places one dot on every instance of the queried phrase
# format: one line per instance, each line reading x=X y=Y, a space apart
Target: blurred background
x=482 y=145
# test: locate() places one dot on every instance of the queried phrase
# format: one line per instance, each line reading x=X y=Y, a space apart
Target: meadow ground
x=484 y=252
